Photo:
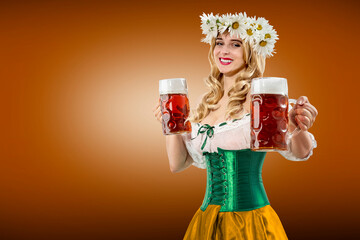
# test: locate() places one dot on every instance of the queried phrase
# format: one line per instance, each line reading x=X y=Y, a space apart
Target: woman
x=235 y=204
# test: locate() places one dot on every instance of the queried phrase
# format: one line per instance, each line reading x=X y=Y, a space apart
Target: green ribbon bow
x=209 y=130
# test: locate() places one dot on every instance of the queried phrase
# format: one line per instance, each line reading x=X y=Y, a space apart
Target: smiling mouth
x=225 y=61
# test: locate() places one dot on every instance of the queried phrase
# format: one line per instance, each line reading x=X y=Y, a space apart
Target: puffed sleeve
x=198 y=158
x=290 y=156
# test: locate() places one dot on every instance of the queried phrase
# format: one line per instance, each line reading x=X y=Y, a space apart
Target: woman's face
x=229 y=54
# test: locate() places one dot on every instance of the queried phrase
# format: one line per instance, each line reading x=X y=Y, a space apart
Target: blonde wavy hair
x=254 y=67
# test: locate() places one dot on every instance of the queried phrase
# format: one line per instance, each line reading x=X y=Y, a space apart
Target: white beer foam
x=173 y=85
x=272 y=85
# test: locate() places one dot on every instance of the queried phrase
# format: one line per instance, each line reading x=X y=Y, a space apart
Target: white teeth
x=225 y=61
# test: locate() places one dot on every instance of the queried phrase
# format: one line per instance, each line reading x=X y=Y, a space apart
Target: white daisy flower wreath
x=256 y=31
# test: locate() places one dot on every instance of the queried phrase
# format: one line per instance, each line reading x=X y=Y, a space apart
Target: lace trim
x=199 y=164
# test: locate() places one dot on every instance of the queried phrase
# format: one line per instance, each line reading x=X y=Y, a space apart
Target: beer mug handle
x=297 y=130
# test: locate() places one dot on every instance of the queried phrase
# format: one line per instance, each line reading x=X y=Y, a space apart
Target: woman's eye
x=237 y=45
x=219 y=43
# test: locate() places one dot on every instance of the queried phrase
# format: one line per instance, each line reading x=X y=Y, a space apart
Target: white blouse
x=230 y=135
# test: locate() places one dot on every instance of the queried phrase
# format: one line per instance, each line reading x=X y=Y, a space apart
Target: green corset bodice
x=234 y=180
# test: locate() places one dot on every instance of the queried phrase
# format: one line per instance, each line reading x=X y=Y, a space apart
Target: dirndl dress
x=235 y=205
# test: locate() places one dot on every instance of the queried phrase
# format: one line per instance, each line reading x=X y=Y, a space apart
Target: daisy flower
x=209 y=27
x=237 y=26
x=225 y=22
x=261 y=23
x=264 y=48
x=256 y=31
x=250 y=30
x=266 y=43
x=271 y=35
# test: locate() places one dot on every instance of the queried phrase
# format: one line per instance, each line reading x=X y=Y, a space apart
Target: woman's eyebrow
x=236 y=40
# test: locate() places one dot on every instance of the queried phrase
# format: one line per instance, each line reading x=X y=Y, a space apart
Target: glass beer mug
x=174 y=106
x=269 y=114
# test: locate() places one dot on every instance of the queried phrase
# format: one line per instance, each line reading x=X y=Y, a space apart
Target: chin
x=227 y=72
x=224 y=71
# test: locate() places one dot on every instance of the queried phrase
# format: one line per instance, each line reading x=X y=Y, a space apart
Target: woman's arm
x=302 y=115
x=179 y=158
x=301 y=143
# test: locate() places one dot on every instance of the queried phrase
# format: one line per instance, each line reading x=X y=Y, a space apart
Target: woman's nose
x=225 y=50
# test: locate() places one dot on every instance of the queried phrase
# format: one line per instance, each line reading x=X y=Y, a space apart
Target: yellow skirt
x=257 y=224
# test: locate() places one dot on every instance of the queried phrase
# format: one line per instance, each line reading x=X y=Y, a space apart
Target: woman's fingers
x=157 y=112
x=303 y=112
x=156 y=106
x=303 y=122
x=301 y=100
x=300 y=124
x=158 y=116
x=313 y=111
x=309 y=111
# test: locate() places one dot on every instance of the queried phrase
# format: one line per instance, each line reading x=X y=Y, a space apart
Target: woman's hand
x=303 y=114
x=179 y=158
x=157 y=112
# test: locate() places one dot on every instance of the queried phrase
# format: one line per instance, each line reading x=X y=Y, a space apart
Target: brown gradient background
x=82 y=156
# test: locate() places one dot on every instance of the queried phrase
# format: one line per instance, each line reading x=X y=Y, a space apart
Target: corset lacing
x=218 y=186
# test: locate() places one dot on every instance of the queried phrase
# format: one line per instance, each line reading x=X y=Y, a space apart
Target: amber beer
x=269 y=114
x=174 y=106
